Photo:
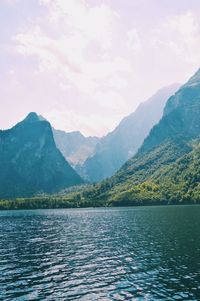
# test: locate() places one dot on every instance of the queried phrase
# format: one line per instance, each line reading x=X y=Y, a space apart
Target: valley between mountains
x=152 y=157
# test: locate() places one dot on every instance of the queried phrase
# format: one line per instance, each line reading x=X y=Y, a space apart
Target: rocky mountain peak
x=32 y=117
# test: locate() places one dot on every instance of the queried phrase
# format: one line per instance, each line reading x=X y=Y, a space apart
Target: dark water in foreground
x=146 y=253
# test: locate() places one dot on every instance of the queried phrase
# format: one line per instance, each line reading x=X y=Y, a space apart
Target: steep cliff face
x=181 y=116
x=120 y=145
x=166 y=167
x=30 y=162
x=172 y=136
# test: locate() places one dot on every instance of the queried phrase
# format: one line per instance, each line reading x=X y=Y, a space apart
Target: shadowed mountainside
x=30 y=162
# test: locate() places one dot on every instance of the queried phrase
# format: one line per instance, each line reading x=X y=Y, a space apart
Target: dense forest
x=162 y=183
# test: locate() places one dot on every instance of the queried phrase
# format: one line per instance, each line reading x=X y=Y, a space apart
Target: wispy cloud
x=179 y=36
x=62 y=41
x=94 y=59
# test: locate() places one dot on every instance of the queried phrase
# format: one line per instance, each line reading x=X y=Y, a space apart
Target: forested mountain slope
x=166 y=167
x=30 y=161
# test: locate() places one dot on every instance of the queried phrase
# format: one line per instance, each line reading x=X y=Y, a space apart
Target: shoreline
x=34 y=207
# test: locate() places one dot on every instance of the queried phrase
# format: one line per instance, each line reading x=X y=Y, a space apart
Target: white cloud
x=113 y=102
x=92 y=22
x=88 y=66
x=179 y=36
x=133 y=40
x=92 y=124
x=76 y=28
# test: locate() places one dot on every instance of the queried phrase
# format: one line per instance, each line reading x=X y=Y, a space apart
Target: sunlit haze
x=84 y=65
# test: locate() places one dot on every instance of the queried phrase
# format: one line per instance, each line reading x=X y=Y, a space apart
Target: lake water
x=144 y=253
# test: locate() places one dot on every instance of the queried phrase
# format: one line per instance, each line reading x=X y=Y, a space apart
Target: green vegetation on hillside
x=166 y=169
x=156 y=180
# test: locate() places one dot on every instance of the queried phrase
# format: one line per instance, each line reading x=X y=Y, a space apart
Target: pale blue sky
x=86 y=64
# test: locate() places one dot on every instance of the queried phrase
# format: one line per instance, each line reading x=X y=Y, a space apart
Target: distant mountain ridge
x=75 y=147
x=166 y=169
x=117 y=147
x=30 y=161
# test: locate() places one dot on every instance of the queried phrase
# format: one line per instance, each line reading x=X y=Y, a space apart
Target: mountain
x=75 y=147
x=120 y=145
x=166 y=168
x=30 y=162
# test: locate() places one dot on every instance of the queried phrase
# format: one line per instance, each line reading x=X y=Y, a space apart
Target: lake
x=143 y=253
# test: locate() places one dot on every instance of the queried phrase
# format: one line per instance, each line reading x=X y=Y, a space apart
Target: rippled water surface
x=146 y=253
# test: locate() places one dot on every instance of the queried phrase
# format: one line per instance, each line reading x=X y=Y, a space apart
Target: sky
x=84 y=65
